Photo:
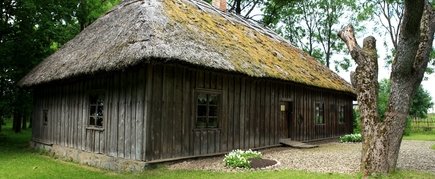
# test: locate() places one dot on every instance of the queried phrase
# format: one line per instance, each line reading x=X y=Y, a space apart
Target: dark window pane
x=213 y=111
x=92 y=121
x=100 y=111
x=93 y=111
x=212 y=122
x=341 y=114
x=202 y=110
x=100 y=121
x=318 y=114
x=213 y=99
x=93 y=99
x=201 y=122
x=202 y=99
x=45 y=116
x=100 y=101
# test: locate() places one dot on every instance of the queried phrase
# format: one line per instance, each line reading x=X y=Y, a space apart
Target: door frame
x=290 y=115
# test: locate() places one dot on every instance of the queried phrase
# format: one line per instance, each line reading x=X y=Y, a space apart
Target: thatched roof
x=188 y=31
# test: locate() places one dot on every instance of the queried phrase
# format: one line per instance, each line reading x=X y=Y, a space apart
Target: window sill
x=94 y=128
x=206 y=129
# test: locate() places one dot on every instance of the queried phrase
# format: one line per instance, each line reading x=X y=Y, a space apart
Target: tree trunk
x=24 y=123
x=382 y=137
x=238 y=7
x=16 y=125
x=30 y=122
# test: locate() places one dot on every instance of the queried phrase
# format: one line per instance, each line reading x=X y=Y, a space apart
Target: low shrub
x=351 y=138
x=433 y=147
x=239 y=158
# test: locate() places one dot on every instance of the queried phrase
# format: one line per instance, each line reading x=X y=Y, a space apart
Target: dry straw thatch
x=188 y=31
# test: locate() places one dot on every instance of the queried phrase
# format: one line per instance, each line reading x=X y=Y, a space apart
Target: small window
x=207 y=109
x=319 y=117
x=45 y=117
x=96 y=109
x=341 y=115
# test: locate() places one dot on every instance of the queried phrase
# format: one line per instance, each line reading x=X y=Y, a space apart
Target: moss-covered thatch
x=186 y=30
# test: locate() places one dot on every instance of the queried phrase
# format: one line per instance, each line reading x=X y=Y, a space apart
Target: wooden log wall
x=122 y=134
x=149 y=113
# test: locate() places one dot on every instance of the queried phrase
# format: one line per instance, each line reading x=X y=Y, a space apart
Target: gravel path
x=330 y=157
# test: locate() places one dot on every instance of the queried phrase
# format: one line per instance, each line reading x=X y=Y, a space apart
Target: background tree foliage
x=311 y=25
x=31 y=30
x=389 y=15
x=420 y=105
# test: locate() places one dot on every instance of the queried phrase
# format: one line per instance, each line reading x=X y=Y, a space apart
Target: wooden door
x=286 y=118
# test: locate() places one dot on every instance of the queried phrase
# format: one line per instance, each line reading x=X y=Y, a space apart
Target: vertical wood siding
x=149 y=113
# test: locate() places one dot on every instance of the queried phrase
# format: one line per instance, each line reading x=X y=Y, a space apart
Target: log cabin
x=159 y=80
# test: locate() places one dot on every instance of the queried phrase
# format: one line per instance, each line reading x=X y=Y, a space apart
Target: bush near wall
x=351 y=138
x=240 y=159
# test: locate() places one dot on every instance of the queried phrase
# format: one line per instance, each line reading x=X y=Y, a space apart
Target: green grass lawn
x=420 y=136
x=17 y=160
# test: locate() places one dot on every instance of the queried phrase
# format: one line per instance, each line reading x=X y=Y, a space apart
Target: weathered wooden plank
x=158 y=81
x=262 y=116
x=204 y=141
x=199 y=79
x=236 y=113
x=258 y=114
x=121 y=115
x=177 y=107
x=114 y=116
x=82 y=116
x=69 y=115
x=197 y=142
x=267 y=116
x=218 y=140
x=75 y=114
x=213 y=80
x=225 y=114
x=127 y=125
x=63 y=117
x=247 y=117
x=106 y=113
x=187 y=116
x=242 y=119
x=147 y=117
x=231 y=120
x=192 y=121
x=139 y=113
x=133 y=102
x=253 y=117
x=273 y=108
x=206 y=80
x=101 y=142
x=96 y=144
x=166 y=124
x=211 y=135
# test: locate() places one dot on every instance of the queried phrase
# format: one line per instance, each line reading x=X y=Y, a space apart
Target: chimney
x=220 y=4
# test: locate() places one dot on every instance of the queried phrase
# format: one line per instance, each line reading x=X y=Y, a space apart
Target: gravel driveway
x=329 y=157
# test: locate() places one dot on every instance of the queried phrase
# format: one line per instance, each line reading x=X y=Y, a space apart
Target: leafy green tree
x=421 y=102
x=30 y=31
x=310 y=25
